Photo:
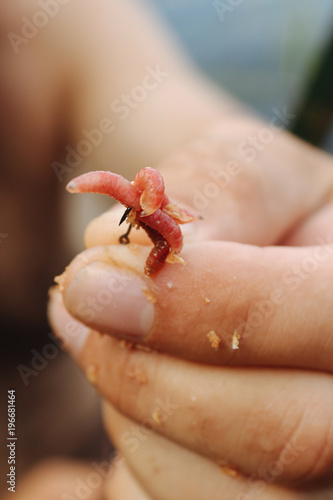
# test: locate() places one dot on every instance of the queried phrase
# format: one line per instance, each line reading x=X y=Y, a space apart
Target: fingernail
x=110 y=300
x=71 y=332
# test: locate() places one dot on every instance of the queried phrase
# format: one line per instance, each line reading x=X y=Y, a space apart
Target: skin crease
x=284 y=196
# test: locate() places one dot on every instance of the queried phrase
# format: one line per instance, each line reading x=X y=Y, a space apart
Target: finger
x=122 y=484
x=293 y=422
x=170 y=471
x=72 y=333
x=105 y=230
x=317 y=226
x=255 y=194
x=54 y=479
x=230 y=304
x=254 y=419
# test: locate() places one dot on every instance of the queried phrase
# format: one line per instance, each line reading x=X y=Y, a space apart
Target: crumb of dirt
x=149 y=296
x=91 y=374
x=60 y=281
x=214 y=339
x=235 y=340
x=139 y=375
x=126 y=344
x=228 y=470
x=157 y=416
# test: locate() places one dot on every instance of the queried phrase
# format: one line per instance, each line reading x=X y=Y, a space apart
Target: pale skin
x=264 y=409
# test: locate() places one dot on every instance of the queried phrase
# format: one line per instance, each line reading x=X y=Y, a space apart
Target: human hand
x=263 y=410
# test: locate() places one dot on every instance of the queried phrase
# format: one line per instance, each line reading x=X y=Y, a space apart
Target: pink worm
x=151 y=184
x=167 y=227
x=105 y=182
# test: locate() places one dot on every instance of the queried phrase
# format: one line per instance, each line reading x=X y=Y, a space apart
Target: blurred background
x=266 y=53
x=263 y=51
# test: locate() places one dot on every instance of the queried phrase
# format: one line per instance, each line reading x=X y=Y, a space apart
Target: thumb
x=230 y=304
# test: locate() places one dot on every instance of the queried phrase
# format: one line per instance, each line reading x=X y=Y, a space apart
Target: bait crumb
x=149 y=296
x=235 y=340
x=205 y=300
x=170 y=284
x=83 y=258
x=133 y=246
x=91 y=374
x=228 y=470
x=172 y=258
x=60 y=281
x=173 y=210
x=157 y=416
x=126 y=344
x=139 y=375
x=214 y=339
